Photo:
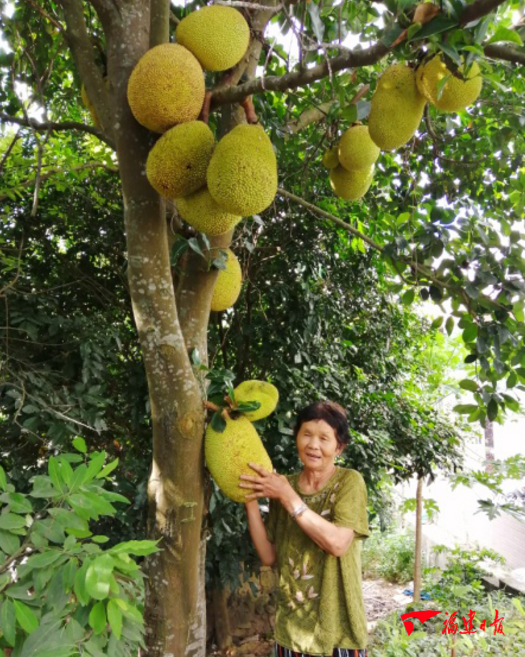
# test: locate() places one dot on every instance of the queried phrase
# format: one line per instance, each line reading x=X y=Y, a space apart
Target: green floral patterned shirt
x=320 y=600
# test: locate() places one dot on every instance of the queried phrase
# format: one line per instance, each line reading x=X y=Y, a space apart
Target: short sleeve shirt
x=320 y=600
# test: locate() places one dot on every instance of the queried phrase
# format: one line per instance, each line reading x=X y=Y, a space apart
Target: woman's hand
x=266 y=484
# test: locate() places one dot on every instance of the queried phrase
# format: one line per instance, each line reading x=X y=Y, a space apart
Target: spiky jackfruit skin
x=456 y=93
x=218 y=36
x=206 y=216
x=357 y=151
x=177 y=164
x=242 y=176
x=228 y=285
x=166 y=87
x=331 y=158
x=228 y=454
x=261 y=391
x=351 y=185
x=396 y=108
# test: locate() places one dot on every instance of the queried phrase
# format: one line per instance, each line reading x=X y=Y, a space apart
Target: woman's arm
x=329 y=537
x=265 y=548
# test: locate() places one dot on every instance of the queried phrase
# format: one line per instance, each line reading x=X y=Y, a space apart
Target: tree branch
x=83 y=53
x=56 y=127
x=159 y=32
x=506 y=53
x=52 y=172
x=350 y=59
x=478 y=9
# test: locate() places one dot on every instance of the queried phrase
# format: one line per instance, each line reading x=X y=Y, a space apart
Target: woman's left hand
x=265 y=484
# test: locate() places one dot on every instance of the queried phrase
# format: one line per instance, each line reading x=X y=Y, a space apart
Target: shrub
x=389 y=555
x=61 y=593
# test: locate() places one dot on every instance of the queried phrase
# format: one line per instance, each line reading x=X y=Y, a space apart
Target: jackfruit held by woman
x=456 y=93
x=218 y=36
x=166 y=87
x=177 y=164
x=228 y=285
x=228 y=454
x=261 y=391
x=242 y=176
x=396 y=108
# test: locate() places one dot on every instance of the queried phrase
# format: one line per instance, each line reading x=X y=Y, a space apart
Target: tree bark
x=417 y=556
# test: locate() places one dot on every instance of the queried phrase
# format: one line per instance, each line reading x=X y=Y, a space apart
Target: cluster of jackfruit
x=352 y=163
x=396 y=111
x=229 y=452
x=213 y=185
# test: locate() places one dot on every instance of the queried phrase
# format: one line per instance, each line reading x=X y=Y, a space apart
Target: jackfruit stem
x=249 y=110
x=210 y=406
x=205 y=111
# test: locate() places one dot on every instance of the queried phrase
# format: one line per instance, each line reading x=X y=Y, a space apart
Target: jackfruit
x=177 y=164
x=228 y=454
x=261 y=391
x=242 y=176
x=396 y=108
x=356 y=149
x=203 y=214
x=166 y=87
x=218 y=36
x=456 y=93
x=351 y=185
x=331 y=158
x=228 y=285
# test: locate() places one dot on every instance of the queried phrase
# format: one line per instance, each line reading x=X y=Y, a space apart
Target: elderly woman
x=316 y=518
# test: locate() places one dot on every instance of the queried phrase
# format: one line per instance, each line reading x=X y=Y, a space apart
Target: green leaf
x=18 y=503
x=492 y=409
x=408 y=297
x=470 y=333
x=97 y=617
x=449 y=325
x=44 y=559
x=504 y=34
x=25 y=616
x=11 y=521
x=80 y=445
x=437 y=323
x=350 y=113
x=138 y=548
x=95 y=466
x=218 y=423
x=3 y=479
x=8 y=621
x=465 y=409
x=98 y=577
x=468 y=384
x=108 y=469
x=54 y=473
x=9 y=543
x=115 y=618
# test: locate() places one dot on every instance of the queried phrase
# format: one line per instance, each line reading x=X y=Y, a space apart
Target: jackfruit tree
x=442 y=204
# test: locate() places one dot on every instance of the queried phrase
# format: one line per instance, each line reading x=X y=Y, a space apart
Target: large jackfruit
x=228 y=454
x=166 y=87
x=206 y=216
x=242 y=176
x=260 y=391
x=177 y=164
x=228 y=285
x=456 y=93
x=218 y=36
x=357 y=151
x=351 y=185
x=396 y=108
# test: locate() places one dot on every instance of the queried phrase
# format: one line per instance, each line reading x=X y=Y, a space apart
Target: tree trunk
x=489 y=444
x=221 y=618
x=417 y=556
x=175 y=598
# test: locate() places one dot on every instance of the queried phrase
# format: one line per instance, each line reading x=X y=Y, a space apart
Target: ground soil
x=380 y=598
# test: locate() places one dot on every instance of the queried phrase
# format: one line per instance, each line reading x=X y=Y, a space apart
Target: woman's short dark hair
x=331 y=413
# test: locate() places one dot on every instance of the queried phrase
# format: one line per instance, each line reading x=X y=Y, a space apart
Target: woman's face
x=317 y=445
